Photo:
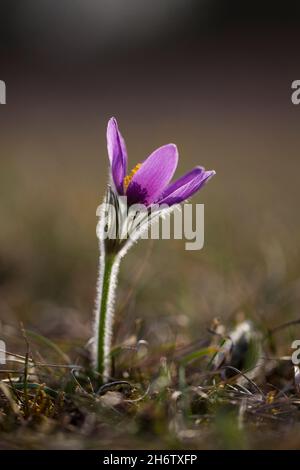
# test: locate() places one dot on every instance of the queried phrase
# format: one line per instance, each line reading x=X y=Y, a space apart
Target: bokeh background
x=215 y=78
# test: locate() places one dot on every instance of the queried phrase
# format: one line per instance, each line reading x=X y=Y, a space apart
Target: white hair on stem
x=99 y=286
x=108 y=277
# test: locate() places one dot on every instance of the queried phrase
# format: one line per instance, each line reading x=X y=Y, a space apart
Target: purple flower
x=148 y=182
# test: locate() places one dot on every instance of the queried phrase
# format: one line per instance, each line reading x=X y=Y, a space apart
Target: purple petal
x=185 y=186
x=153 y=176
x=183 y=180
x=117 y=154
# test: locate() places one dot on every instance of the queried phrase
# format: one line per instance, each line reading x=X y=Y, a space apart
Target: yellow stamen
x=129 y=177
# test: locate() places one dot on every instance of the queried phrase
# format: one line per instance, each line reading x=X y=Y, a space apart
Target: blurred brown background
x=213 y=77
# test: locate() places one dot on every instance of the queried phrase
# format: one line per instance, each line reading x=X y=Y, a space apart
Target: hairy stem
x=109 y=267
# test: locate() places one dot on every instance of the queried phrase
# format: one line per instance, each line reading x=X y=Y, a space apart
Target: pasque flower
x=148 y=184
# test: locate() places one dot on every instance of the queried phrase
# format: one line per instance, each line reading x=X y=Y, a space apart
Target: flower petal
x=117 y=154
x=183 y=180
x=185 y=186
x=153 y=176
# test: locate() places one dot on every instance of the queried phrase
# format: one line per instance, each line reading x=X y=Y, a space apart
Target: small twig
x=284 y=325
x=246 y=377
x=109 y=385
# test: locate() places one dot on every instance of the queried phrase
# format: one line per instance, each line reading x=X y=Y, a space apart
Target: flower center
x=129 y=177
